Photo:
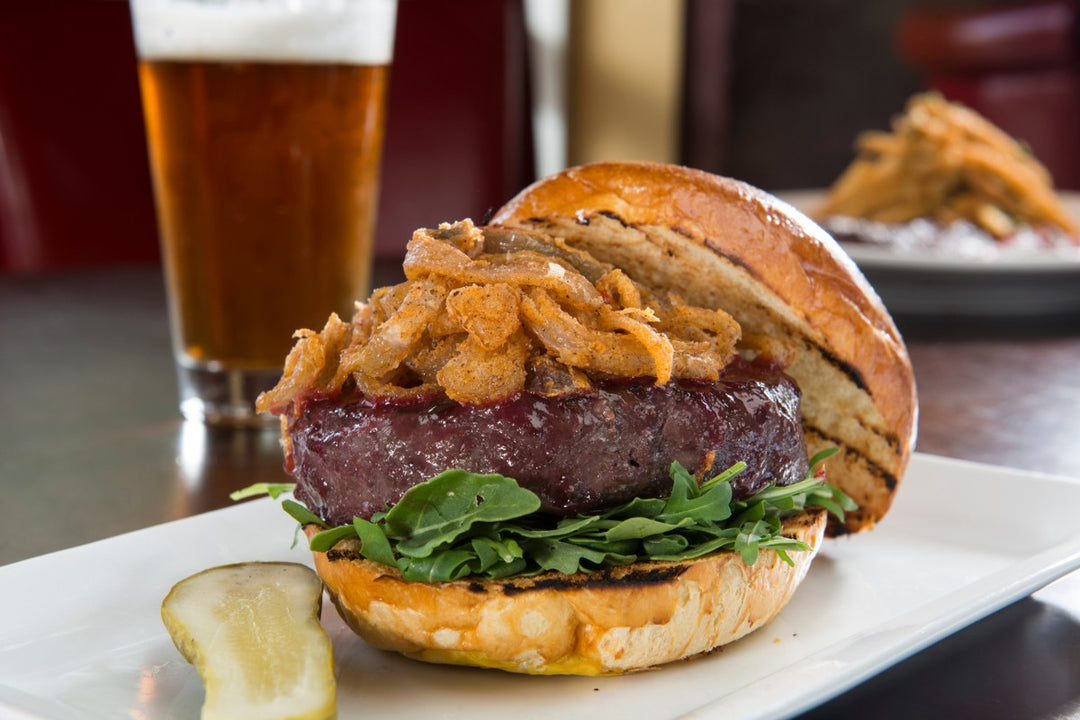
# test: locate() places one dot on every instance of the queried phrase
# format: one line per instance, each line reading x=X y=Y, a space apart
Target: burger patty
x=579 y=453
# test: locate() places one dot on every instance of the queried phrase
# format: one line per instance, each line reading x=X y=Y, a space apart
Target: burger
x=586 y=437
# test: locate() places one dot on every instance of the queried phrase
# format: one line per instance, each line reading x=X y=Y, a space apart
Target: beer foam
x=355 y=32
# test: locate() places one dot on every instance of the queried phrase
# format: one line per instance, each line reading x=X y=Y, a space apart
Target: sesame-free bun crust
x=615 y=621
x=720 y=243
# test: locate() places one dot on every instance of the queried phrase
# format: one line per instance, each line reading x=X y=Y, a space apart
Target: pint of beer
x=265 y=121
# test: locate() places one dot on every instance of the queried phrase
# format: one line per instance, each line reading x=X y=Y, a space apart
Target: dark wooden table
x=91 y=445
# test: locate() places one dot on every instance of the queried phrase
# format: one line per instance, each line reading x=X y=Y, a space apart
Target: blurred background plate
x=942 y=286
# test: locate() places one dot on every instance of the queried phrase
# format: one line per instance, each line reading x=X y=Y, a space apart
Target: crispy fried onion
x=946 y=162
x=480 y=318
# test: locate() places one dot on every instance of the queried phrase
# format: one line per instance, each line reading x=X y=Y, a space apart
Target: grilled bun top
x=799 y=298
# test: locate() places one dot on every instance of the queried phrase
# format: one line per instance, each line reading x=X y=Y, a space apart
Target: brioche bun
x=622 y=619
x=724 y=244
x=801 y=302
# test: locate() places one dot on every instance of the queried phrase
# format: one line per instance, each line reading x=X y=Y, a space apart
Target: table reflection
x=214 y=461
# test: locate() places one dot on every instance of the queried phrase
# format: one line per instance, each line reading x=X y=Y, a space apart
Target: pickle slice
x=252 y=632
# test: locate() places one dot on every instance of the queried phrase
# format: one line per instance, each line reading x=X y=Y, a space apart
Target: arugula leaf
x=491 y=551
x=326 y=539
x=832 y=499
x=460 y=524
x=725 y=476
x=300 y=513
x=639 y=528
x=565 y=527
x=664 y=545
x=374 y=544
x=435 y=512
x=750 y=536
x=569 y=557
x=274 y=490
x=821 y=456
x=638 y=507
x=722 y=540
x=497 y=559
x=714 y=505
x=687 y=501
x=444 y=566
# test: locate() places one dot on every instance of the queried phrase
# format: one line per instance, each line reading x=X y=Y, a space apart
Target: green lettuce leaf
x=460 y=524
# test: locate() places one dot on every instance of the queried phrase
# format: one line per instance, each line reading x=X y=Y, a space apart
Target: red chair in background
x=1019 y=65
x=74 y=175
x=74 y=178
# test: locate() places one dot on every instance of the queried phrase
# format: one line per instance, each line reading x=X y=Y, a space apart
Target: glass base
x=225 y=397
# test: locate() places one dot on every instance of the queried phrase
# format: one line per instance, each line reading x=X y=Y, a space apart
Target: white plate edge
x=828 y=676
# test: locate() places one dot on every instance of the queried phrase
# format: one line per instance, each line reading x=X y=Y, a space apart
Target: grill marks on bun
x=796 y=295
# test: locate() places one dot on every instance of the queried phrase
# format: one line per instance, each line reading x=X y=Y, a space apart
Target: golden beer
x=265 y=177
x=265 y=123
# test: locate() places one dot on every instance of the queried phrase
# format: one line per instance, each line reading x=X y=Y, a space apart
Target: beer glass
x=265 y=122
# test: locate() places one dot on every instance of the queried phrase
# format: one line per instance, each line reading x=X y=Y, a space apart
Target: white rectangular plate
x=81 y=634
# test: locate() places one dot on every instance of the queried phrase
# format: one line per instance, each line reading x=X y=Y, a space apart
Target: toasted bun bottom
x=620 y=620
